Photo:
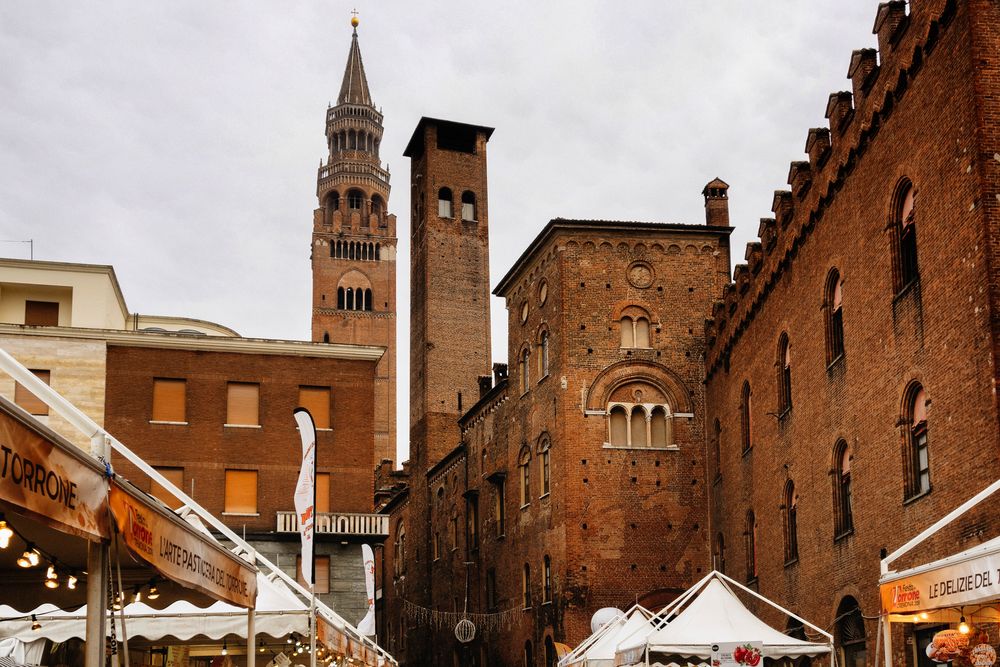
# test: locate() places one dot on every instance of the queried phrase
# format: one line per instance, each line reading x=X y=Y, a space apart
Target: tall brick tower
x=449 y=281
x=354 y=241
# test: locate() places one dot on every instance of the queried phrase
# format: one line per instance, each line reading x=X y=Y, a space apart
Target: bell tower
x=354 y=241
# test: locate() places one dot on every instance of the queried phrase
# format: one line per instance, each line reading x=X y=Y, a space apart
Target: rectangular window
x=169 y=400
x=491 y=589
x=176 y=477
x=27 y=400
x=501 y=509
x=321 y=573
x=41 y=313
x=454 y=533
x=436 y=546
x=243 y=404
x=317 y=401
x=322 y=493
x=472 y=523
x=241 y=492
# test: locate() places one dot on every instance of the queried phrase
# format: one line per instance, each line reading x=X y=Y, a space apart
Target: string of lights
x=33 y=556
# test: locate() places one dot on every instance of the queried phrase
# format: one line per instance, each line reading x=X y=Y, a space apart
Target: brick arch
x=619 y=308
x=354 y=278
x=631 y=370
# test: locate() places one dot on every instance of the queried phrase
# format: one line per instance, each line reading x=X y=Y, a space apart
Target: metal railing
x=337 y=523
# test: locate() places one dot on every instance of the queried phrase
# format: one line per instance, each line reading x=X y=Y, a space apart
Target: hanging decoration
x=446 y=620
x=465 y=631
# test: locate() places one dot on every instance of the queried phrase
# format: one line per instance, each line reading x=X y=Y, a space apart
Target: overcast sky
x=178 y=140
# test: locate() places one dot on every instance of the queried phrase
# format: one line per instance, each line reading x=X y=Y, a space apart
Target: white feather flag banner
x=367 y=625
x=305 y=491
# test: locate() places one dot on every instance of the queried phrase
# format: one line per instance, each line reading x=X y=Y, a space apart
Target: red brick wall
x=205 y=448
x=940 y=332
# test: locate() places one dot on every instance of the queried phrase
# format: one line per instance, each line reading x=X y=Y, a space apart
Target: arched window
x=547 y=579
x=326 y=336
x=543 y=354
x=349 y=303
x=550 y=652
x=904 y=230
x=444 y=203
x=355 y=200
x=468 y=206
x=368 y=299
x=850 y=634
x=399 y=550
x=642 y=333
x=341 y=300
x=789 y=505
x=378 y=251
x=637 y=428
x=544 y=444
x=717 y=446
x=524 y=466
x=915 y=455
x=378 y=206
x=784 y=364
x=628 y=332
x=750 y=533
x=659 y=428
x=833 y=306
x=843 y=511
x=619 y=427
x=746 y=422
x=524 y=367
x=526 y=585
x=720 y=553
x=529 y=656
x=332 y=204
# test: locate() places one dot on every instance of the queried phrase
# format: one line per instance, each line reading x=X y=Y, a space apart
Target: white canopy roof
x=598 y=650
x=278 y=614
x=715 y=615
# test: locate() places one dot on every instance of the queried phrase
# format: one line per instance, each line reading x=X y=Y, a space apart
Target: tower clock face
x=640 y=274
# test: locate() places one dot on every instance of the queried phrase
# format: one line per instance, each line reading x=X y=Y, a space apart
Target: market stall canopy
x=55 y=498
x=714 y=616
x=598 y=650
x=278 y=614
x=966 y=578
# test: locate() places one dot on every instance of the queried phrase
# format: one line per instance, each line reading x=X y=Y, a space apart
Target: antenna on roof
x=31 y=246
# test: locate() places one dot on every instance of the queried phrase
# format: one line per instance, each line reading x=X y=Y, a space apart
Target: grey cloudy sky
x=178 y=141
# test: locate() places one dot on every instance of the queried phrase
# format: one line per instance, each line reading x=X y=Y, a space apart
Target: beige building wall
x=78 y=371
x=88 y=294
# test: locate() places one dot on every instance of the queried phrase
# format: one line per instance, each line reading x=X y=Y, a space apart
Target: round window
x=543 y=293
x=524 y=312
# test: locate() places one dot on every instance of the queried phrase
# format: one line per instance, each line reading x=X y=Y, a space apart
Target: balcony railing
x=338 y=523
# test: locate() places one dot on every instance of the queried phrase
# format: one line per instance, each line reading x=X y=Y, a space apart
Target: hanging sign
x=181 y=554
x=737 y=654
x=52 y=481
x=983 y=655
x=950 y=586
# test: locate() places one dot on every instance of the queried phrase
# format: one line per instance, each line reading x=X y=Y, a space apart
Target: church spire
x=354 y=89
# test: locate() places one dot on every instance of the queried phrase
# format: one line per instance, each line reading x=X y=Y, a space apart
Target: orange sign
x=180 y=553
x=51 y=480
x=953 y=585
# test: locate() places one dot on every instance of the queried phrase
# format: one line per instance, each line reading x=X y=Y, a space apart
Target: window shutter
x=169 y=400
x=317 y=401
x=243 y=404
x=323 y=493
x=41 y=313
x=176 y=477
x=27 y=400
x=241 y=491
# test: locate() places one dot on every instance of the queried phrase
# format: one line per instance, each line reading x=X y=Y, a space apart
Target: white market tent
x=278 y=614
x=712 y=614
x=598 y=650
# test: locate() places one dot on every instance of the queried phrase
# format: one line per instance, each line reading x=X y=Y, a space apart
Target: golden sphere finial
x=354 y=20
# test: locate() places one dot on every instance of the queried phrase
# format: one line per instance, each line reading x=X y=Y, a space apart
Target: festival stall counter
x=959 y=596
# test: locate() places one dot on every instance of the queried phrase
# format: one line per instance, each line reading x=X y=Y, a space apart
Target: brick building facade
x=839 y=399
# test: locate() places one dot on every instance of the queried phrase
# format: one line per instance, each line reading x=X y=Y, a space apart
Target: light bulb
x=924 y=615
x=225 y=649
x=29 y=558
x=138 y=596
x=51 y=577
x=153 y=593
x=33 y=557
x=5 y=534
x=71 y=582
x=963 y=627
x=35 y=625
x=290 y=640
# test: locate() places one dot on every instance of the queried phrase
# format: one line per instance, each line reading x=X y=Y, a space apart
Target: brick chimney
x=716 y=195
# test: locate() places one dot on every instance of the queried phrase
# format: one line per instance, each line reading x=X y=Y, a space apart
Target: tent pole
x=97 y=571
x=251 y=638
x=887 y=640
